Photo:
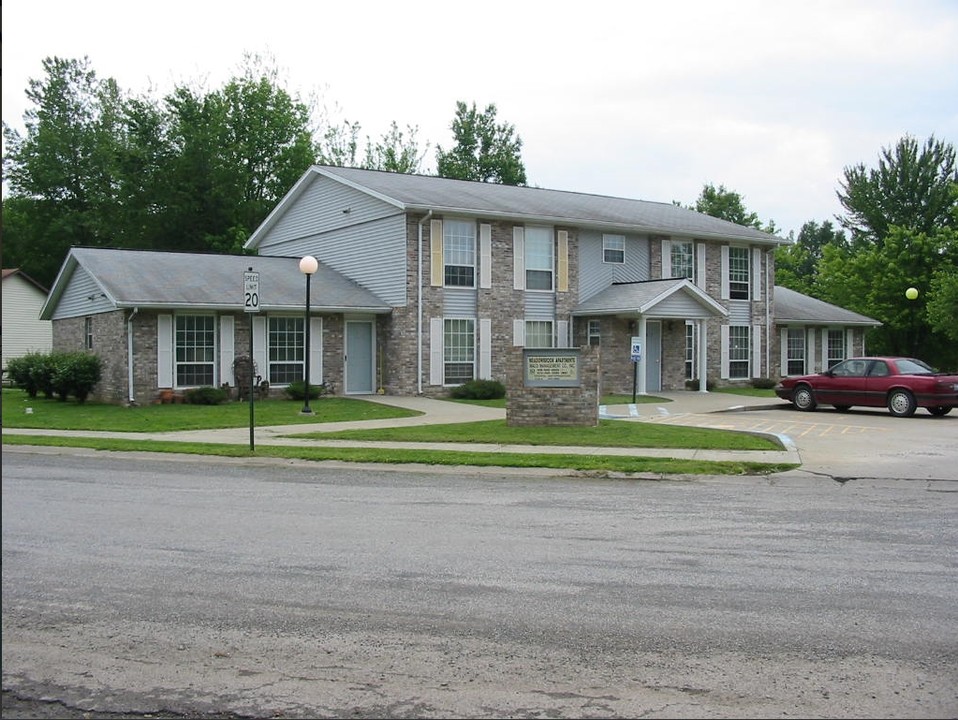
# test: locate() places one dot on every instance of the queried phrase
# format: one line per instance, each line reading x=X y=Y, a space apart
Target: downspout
x=129 y=354
x=768 y=317
x=419 y=307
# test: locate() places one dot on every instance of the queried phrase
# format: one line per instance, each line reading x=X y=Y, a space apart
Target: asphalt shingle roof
x=792 y=306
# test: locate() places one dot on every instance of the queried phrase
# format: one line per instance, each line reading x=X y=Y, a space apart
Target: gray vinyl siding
x=540 y=306
x=595 y=275
x=678 y=305
x=459 y=302
x=739 y=312
x=76 y=301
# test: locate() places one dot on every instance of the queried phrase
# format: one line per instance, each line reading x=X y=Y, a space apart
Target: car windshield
x=909 y=366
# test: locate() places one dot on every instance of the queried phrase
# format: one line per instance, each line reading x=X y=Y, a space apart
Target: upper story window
x=683 y=260
x=195 y=349
x=287 y=349
x=738 y=273
x=540 y=258
x=459 y=253
x=613 y=249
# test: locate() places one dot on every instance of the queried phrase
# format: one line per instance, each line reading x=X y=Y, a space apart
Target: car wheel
x=803 y=399
x=901 y=403
x=939 y=411
x=842 y=408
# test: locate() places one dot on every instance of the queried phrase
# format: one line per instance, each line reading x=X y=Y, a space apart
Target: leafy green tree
x=912 y=187
x=719 y=202
x=796 y=265
x=396 y=151
x=484 y=150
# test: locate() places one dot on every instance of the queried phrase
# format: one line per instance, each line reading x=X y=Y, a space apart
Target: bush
x=763 y=383
x=479 y=390
x=710 y=384
x=20 y=369
x=74 y=373
x=206 y=395
x=297 y=391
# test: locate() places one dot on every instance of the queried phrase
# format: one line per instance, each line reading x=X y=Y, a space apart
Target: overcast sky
x=648 y=100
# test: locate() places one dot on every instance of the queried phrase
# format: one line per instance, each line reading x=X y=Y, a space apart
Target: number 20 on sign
x=251 y=291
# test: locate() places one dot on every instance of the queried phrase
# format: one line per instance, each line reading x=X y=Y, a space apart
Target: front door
x=359 y=357
x=653 y=355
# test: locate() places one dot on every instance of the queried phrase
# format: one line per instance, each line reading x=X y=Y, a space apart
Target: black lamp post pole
x=306 y=409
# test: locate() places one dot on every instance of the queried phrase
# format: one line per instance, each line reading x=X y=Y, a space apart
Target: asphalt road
x=153 y=585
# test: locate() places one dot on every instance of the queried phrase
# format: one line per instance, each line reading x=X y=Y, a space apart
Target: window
x=287 y=345
x=539 y=334
x=595 y=334
x=539 y=258
x=836 y=347
x=459 y=253
x=683 y=260
x=795 y=351
x=195 y=350
x=88 y=333
x=738 y=351
x=459 y=351
x=738 y=267
x=689 y=351
x=613 y=249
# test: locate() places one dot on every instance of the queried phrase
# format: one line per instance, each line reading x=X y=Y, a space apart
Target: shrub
x=763 y=383
x=297 y=391
x=74 y=373
x=479 y=390
x=710 y=384
x=19 y=370
x=206 y=395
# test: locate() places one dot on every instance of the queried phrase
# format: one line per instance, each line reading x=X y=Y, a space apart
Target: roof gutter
x=425 y=219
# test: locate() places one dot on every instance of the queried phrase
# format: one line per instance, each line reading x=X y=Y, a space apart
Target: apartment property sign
x=551 y=367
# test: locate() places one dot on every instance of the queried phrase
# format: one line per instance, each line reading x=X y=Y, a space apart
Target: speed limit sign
x=251 y=291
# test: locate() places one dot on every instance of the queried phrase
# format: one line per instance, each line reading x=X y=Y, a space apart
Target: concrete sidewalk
x=432 y=412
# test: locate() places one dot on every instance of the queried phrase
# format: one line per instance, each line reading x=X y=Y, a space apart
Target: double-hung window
x=459 y=253
x=738 y=351
x=613 y=249
x=88 y=333
x=795 y=351
x=539 y=258
x=539 y=334
x=195 y=352
x=459 y=350
x=836 y=348
x=287 y=346
x=595 y=332
x=738 y=273
x=683 y=260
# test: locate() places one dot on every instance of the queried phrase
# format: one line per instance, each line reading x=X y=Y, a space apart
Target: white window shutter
x=700 y=265
x=519 y=333
x=824 y=349
x=725 y=291
x=437 y=270
x=485 y=349
x=666 y=258
x=435 y=351
x=784 y=353
x=485 y=255
x=260 y=349
x=562 y=262
x=227 y=347
x=518 y=258
x=757 y=351
x=756 y=273
x=164 y=351
x=850 y=344
x=725 y=341
x=562 y=333
x=316 y=351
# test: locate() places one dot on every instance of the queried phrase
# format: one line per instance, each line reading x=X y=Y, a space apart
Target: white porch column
x=703 y=356
x=642 y=358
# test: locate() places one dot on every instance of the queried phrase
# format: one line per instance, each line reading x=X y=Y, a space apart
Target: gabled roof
x=421 y=193
x=643 y=297
x=170 y=280
x=794 y=307
x=17 y=272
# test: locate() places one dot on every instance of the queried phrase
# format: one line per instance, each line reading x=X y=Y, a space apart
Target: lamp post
x=911 y=294
x=308 y=265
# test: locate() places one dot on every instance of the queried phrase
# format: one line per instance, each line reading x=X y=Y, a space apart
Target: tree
x=796 y=265
x=395 y=151
x=727 y=205
x=910 y=189
x=484 y=150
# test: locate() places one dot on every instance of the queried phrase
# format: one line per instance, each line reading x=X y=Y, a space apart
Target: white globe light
x=308 y=265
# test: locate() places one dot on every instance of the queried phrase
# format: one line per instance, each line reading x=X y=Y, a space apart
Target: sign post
x=251 y=306
x=636 y=353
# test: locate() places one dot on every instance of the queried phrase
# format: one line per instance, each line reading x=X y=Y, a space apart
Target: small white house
x=23 y=330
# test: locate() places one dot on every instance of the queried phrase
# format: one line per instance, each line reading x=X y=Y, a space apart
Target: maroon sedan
x=898 y=383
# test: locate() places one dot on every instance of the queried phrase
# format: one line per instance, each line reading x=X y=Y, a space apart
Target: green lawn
x=52 y=414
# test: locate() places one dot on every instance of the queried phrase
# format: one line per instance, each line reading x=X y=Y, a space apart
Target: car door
x=879 y=380
x=844 y=384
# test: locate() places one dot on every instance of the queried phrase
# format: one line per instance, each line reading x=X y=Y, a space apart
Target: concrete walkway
x=677 y=405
